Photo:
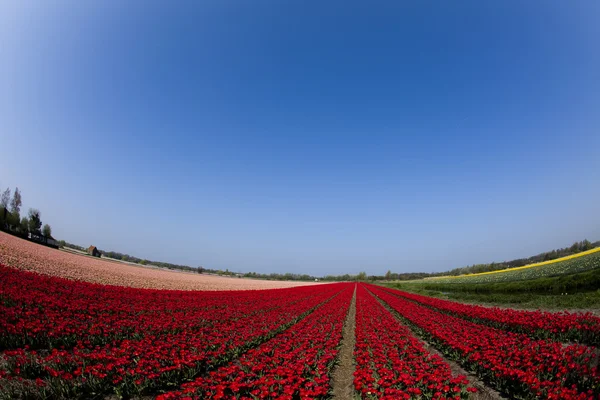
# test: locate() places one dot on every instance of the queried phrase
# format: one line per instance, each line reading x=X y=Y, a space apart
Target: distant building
x=93 y=251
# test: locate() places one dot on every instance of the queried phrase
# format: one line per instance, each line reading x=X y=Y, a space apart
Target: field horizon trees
x=11 y=220
x=570 y=283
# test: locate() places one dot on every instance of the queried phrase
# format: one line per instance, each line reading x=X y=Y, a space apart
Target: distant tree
x=574 y=248
x=15 y=204
x=13 y=220
x=35 y=221
x=362 y=276
x=200 y=269
x=24 y=226
x=143 y=262
x=388 y=275
x=4 y=208
x=5 y=198
x=47 y=230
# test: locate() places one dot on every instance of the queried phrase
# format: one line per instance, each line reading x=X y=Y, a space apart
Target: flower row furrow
x=514 y=363
x=295 y=364
x=46 y=312
x=392 y=364
x=153 y=358
x=564 y=326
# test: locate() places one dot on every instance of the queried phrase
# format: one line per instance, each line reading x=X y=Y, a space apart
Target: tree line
x=362 y=276
x=575 y=248
x=126 y=257
x=11 y=220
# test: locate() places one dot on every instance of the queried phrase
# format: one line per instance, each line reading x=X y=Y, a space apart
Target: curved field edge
x=538 y=264
x=573 y=264
x=27 y=256
x=579 y=291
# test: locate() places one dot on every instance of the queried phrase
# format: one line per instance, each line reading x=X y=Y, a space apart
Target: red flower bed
x=68 y=339
x=45 y=312
x=133 y=341
x=514 y=363
x=392 y=364
x=564 y=326
x=294 y=365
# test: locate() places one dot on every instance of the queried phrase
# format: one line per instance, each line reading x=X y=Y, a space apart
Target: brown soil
x=343 y=375
x=22 y=254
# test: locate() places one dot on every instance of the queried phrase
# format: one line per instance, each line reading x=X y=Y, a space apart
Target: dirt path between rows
x=343 y=375
x=484 y=392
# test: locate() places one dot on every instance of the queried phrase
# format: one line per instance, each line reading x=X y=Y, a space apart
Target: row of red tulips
x=392 y=364
x=160 y=356
x=514 y=363
x=563 y=326
x=46 y=312
x=296 y=364
x=66 y=339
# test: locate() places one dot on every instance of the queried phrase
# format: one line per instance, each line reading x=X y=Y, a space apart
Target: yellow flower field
x=579 y=262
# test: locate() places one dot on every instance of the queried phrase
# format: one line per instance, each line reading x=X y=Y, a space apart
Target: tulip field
x=573 y=264
x=64 y=339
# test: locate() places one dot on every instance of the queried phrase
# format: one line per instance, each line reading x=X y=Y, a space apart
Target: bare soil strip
x=343 y=375
x=484 y=392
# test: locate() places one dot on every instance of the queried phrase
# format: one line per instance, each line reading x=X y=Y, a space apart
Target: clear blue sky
x=301 y=136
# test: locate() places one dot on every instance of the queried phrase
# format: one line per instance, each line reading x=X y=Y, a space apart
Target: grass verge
x=575 y=291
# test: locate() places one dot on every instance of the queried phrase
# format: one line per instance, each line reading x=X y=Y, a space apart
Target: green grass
x=580 y=290
x=567 y=267
x=573 y=283
x=578 y=301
